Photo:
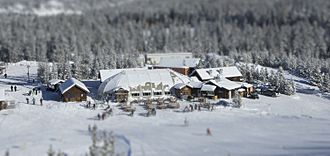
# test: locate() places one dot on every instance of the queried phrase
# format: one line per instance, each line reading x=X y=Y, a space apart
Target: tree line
x=294 y=34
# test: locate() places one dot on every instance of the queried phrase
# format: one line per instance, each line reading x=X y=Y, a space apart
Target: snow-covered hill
x=287 y=125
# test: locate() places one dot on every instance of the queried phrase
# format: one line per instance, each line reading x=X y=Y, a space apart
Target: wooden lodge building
x=131 y=84
x=73 y=90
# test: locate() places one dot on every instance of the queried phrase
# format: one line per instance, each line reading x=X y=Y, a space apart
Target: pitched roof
x=207 y=87
x=55 y=81
x=225 y=83
x=179 y=62
x=69 y=83
x=105 y=74
x=211 y=73
x=133 y=78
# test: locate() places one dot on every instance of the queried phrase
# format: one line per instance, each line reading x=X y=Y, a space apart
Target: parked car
x=270 y=92
x=254 y=95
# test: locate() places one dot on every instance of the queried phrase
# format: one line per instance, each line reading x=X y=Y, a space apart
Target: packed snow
x=286 y=125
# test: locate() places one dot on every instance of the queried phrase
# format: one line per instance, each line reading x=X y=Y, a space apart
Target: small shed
x=54 y=84
x=72 y=90
x=183 y=90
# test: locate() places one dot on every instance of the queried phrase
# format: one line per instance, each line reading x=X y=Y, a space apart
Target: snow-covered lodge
x=72 y=90
x=133 y=84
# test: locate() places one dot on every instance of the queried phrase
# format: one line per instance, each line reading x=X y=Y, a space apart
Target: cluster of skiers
x=34 y=91
x=108 y=112
x=191 y=107
x=34 y=101
x=90 y=105
x=151 y=112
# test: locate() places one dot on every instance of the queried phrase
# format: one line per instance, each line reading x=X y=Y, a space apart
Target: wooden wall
x=75 y=94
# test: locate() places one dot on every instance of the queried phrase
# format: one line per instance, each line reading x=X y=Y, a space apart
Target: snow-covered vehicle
x=270 y=92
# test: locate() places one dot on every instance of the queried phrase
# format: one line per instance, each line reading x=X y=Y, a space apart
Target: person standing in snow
x=11 y=88
x=15 y=88
x=41 y=101
x=33 y=101
x=27 y=100
x=5 y=75
x=208 y=132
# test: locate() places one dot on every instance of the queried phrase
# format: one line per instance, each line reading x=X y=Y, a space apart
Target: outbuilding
x=72 y=90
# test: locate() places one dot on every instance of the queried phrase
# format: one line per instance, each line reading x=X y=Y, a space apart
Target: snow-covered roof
x=179 y=62
x=133 y=78
x=105 y=74
x=244 y=84
x=211 y=73
x=179 y=85
x=207 y=87
x=225 y=83
x=194 y=84
x=69 y=83
x=55 y=81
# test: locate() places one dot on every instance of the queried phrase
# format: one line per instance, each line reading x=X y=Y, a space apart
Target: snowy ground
x=287 y=125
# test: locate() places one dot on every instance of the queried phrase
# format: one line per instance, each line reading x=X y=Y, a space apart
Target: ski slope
x=287 y=125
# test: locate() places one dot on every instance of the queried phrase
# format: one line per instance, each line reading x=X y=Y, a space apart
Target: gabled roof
x=194 y=84
x=225 y=83
x=105 y=74
x=69 y=83
x=55 y=81
x=133 y=78
x=211 y=73
x=207 y=87
x=178 y=62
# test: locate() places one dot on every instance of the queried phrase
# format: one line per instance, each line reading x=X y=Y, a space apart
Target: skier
x=94 y=106
x=208 y=132
x=12 y=88
x=15 y=88
x=5 y=75
x=27 y=100
x=41 y=101
x=33 y=101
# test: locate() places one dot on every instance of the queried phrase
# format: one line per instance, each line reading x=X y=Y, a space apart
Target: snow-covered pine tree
x=237 y=99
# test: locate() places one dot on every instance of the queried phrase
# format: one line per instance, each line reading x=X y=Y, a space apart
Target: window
x=157 y=93
x=135 y=94
x=146 y=94
x=167 y=93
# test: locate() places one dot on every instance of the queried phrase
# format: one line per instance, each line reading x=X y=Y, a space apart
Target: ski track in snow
x=287 y=125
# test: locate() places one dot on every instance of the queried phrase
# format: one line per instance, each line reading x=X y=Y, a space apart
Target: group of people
x=13 y=88
x=191 y=107
x=105 y=114
x=34 y=101
x=89 y=105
